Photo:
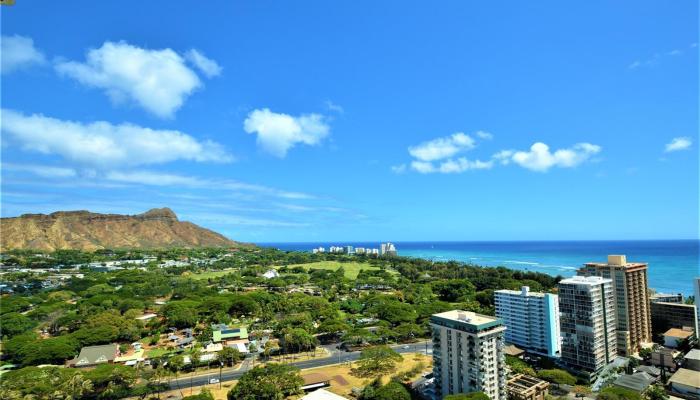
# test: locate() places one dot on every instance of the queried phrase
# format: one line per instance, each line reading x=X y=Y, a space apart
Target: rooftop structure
x=524 y=387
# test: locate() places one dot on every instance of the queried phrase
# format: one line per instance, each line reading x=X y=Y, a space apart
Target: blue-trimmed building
x=468 y=354
x=532 y=320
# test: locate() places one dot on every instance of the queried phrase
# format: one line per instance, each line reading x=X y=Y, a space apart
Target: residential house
x=94 y=355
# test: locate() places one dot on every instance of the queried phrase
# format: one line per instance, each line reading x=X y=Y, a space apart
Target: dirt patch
x=340 y=380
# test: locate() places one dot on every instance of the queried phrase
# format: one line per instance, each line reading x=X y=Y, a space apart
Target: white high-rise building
x=588 y=325
x=468 y=354
x=532 y=320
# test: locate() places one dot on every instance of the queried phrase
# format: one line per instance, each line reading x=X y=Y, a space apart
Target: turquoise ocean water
x=672 y=263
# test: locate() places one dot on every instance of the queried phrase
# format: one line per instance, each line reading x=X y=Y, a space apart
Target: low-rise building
x=94 y=355
x=525 y=387
x=674 y=335
x=638 y=382
x=692 y=360
x=686 y=383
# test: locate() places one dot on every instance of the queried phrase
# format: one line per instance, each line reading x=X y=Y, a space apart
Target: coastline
x=672 y=263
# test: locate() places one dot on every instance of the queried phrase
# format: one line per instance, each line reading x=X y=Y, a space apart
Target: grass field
x=211 y=274
x=352 y=269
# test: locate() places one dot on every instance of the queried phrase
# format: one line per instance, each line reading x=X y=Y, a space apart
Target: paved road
x=336 y=357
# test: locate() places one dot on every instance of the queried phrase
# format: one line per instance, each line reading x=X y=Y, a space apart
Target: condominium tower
x=532 y=320
x=631 y=300
x=468 y=354
x=587 y=323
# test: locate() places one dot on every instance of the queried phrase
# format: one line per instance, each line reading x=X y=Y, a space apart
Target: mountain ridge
x=85 y=230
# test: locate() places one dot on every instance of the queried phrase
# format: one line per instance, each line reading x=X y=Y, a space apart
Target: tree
x=518 y=366
x=618 y=393
x=581 y=391
x=392 y=391
x=467 y=396
x=175 y=364
x=558 y=376
x=229 y=356
x=656 y=392
x=376 y=361
x=271 y=382
x=13 y=323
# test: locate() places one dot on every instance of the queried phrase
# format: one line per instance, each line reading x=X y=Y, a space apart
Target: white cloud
x=450 y=166
x=679 y=143
x=277 y=133
x=484 y=135
x=209 y=67
x=157 y=80
x=45 y=171
x=539 y=158
x=334 y=107
x=18 y=52
x=156 y=178
x=104 y=145
x=398 y=169
x=443 y=147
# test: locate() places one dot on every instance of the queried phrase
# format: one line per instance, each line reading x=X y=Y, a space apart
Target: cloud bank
x=105 y=145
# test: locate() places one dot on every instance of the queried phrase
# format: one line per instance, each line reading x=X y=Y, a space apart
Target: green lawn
x=211 y=274
x=153 y=353
x=352 y=269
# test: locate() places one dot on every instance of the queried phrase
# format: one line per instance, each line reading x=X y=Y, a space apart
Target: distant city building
x=631 y=300
x=665 y=316
x=360 y=250
x=468 y=354
x=532 y=320
x=387 y=249
x=349 y=250
x=588 y=324
x=319 y=250
x=666 y=298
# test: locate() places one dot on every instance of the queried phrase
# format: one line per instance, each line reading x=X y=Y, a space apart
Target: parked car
x=214 y=380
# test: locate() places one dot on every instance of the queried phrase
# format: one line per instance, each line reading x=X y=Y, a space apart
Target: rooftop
x=322 y=394
x=693 y=355
x=585 y=280
x=469 y=317
x=679 y=333
x=617 y=261
x=686 y=377
x=638 y=382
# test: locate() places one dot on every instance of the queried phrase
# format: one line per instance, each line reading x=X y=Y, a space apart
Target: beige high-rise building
x=632 y=308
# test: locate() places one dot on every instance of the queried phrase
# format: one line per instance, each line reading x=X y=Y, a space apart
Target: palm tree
x=77 y=386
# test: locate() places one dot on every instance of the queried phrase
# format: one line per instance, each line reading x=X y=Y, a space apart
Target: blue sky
x=315 y=121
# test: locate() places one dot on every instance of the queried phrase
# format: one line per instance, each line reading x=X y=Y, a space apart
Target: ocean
x=672 y=263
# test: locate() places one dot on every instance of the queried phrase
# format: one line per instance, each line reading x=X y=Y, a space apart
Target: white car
x=214 y=380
